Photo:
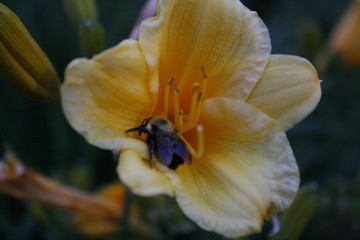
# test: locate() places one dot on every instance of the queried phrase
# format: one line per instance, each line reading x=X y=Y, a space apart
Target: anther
x=201 y=97
x=203 y=71
x=204 y=83
x=173 y=86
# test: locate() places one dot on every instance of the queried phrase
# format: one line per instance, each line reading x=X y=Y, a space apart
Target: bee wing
x=171 y=148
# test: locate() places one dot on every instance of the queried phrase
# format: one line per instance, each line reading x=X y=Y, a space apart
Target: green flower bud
x=91 y=35
x=80 y=10
x=22 y=62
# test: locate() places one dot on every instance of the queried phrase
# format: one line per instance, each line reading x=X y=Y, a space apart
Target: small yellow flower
x=22 y=62
x=206 y=67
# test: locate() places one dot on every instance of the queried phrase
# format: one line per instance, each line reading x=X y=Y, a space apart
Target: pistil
x=200 y=143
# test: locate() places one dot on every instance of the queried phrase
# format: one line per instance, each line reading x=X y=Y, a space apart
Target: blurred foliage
x=294 y=220
x=326 y=144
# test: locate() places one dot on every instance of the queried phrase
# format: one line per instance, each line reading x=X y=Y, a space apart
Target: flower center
x=186 y=121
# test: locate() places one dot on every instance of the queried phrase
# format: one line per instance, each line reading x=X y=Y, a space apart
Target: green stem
x=124 y=222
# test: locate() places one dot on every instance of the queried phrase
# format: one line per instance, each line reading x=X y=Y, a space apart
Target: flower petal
x=107 y=95
x=288 y=90
x=140 y=178
x=230 y=41
x=247 y=174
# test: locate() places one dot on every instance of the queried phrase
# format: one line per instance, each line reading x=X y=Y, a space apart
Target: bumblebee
x=163 y=142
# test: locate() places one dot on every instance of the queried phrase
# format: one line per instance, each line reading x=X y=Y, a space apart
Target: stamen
x=180 y=126
x=166 y=98
x=203 y=71
x=201 y=98
x=198 y=108
x=173 y=85
x=201 y=143
x=177 y=114
x=196 y=101
x=193 y=103
x=195 y=86
x=204 y=83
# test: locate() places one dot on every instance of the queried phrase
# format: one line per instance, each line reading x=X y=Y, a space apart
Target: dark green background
x=326 y=144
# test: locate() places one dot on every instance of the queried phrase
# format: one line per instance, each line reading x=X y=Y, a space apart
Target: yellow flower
x=95 y=215
x=233 y=112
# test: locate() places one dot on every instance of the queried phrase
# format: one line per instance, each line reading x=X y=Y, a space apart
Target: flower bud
x=22 y=62
x=80 y=10
x=91 y=35
x=346 y=36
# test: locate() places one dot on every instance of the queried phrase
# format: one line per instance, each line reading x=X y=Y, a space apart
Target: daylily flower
x=95 y=215
x=20 y=182
x=206 y=67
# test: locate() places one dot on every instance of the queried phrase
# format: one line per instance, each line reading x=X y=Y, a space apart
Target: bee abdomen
x=176 y=162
